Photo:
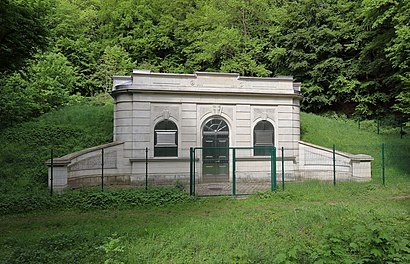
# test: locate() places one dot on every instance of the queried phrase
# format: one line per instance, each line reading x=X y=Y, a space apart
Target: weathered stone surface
x=95 y=162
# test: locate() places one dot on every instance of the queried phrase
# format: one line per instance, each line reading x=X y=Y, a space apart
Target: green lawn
x=350 y=223
x=346 y=136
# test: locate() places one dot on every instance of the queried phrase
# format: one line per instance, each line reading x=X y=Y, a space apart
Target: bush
x=90 y=199
x=357 y=243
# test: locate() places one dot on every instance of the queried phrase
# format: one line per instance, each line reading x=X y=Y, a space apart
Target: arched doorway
x=215 y=153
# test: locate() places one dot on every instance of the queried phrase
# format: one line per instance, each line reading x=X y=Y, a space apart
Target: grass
x=353 y=222
x=25 y=148
x=310 y=222
x=327 y=131
x=347 y=137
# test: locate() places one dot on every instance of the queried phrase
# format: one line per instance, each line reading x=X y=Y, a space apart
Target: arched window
x=263 y=137
x=166 y=139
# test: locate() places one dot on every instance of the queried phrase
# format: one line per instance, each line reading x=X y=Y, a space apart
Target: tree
x=22 y=31
x=232 y=36
x=398 y=53
x=114 y=61
x=44 y=85
x=318 y=42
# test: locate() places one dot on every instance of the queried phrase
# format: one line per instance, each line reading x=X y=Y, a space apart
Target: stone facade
x=169 y=113
x=190 y=100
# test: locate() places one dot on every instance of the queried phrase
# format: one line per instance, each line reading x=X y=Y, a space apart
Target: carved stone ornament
x=264 y=116
x=165 y=114
x=217 y=109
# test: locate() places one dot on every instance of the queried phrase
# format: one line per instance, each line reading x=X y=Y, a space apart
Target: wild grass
x=25 y=148
x=326 y=131
x=346 y=135
x=352 y=223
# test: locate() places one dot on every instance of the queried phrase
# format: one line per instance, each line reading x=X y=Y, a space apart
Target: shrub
x=90 y=199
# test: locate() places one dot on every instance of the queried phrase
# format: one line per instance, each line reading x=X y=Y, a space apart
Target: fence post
x=334 y=164
x=102 y=169
x=383 y=176
x=233 y=171
x=52 y=172
x=194 y=167
x=283 y=169
x=146 y=168
x=191 y=169
x=273 y=170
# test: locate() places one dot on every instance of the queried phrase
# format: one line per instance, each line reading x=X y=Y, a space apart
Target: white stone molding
x=265 y=113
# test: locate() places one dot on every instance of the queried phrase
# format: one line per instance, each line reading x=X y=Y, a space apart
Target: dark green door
x=215 y=142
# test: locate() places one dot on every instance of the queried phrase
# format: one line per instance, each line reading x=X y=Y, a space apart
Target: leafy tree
x=398 y=53
x=375 y=73
x=43 y=85
x=230 y=36
x=73 y=33
x=14 y=100
x=351 y=56
x=50 y=79
x=317 y=37
x=114 y=61
x=22 y=31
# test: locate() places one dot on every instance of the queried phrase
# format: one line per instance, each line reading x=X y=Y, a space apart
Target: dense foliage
x=87 y=199
x=351 y=56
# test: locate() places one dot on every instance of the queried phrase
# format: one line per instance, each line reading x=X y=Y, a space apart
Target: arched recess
x=263 y=138
x=215 y=152
x=165 y=139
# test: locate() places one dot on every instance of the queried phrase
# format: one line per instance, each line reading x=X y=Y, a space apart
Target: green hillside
x=327 y=131
x=346 y=135
x=25 y=147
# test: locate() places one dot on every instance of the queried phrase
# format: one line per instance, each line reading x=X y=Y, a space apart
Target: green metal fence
x=232 y=170
x=248 y=173
x=245 y=172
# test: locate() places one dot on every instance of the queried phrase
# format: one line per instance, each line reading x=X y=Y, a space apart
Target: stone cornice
x=129 y=89
x=205 y=83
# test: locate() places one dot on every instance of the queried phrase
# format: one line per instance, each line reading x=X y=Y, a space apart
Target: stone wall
x=84 y=168
x=316 y=162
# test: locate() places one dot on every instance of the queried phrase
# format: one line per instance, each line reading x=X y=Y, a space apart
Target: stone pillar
x=361 y=167
x=60 y=176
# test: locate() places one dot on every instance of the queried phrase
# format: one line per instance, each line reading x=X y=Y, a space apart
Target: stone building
x=160 y=116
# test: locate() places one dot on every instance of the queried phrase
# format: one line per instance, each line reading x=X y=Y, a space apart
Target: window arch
x=263 y=137
x=166 y=139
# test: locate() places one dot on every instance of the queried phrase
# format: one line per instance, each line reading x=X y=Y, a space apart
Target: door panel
x=215 y=152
